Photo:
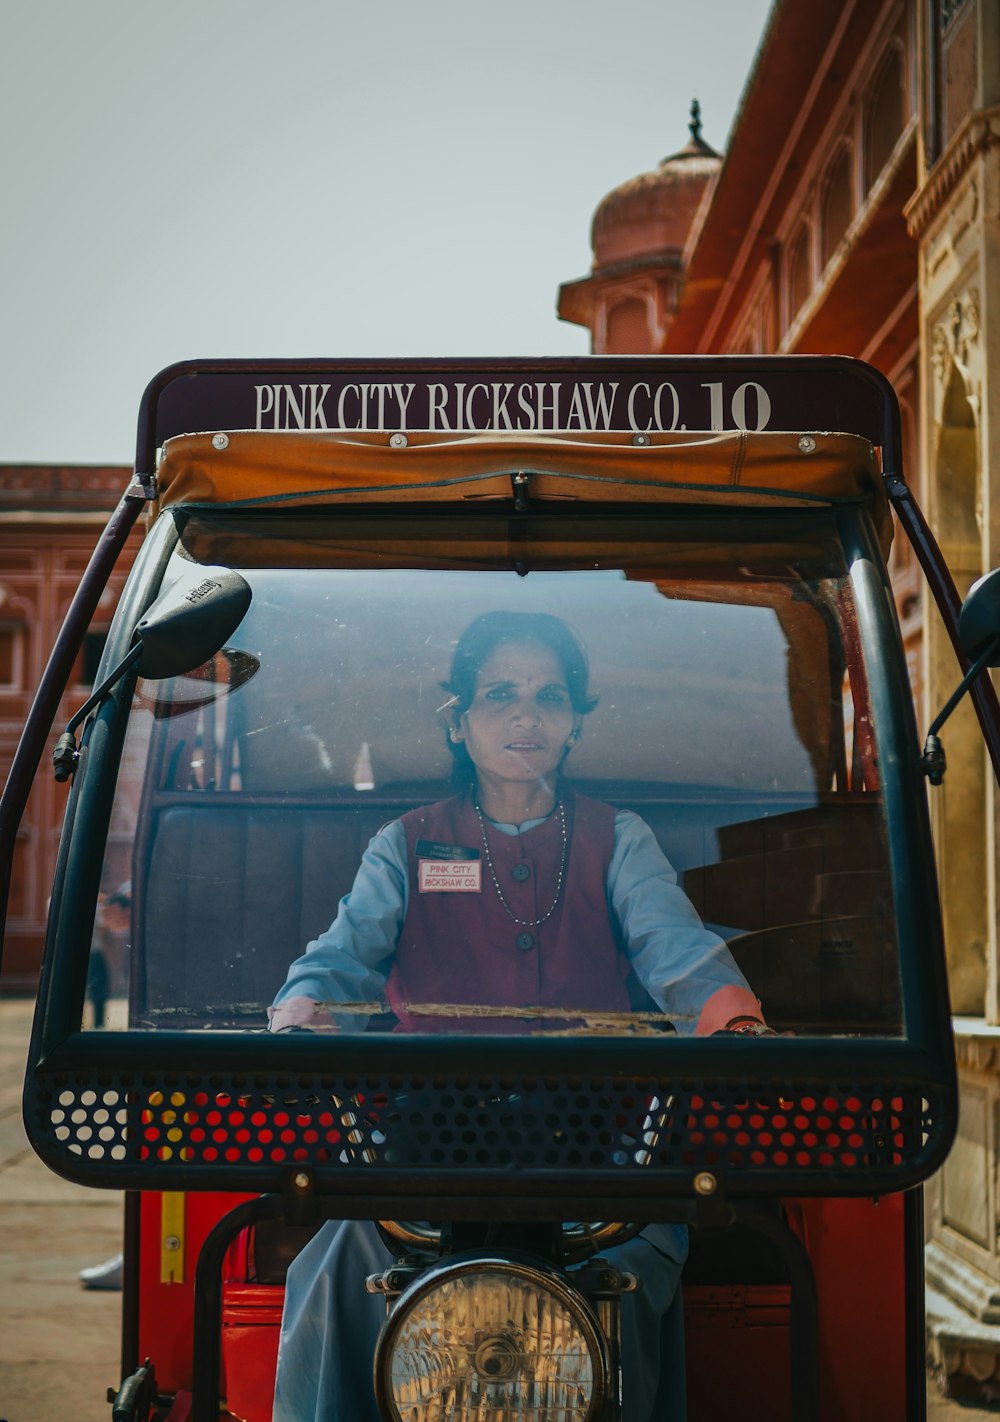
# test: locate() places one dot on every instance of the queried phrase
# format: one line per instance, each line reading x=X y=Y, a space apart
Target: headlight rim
x=539 y=1271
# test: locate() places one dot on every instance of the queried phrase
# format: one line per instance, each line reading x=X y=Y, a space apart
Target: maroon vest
x=464 y=947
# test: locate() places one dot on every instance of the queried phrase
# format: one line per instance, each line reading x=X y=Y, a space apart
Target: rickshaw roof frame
x=735 y=469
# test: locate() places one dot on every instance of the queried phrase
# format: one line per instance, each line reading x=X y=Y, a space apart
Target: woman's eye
x=498 y=693
x=552 y=696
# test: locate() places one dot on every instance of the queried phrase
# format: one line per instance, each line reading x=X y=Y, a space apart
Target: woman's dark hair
x=478 y=643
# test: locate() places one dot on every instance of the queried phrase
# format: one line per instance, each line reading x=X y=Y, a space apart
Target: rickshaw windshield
x=721 y=744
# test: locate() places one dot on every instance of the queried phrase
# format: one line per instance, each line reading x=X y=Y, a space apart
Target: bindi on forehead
x=521 y=661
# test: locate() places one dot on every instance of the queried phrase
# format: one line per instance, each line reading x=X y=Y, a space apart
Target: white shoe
x=104 y=1276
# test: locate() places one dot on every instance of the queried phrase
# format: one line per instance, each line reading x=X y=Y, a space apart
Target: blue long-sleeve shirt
x=678 y=961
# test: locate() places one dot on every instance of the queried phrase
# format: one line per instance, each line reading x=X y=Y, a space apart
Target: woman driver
x=515 y=891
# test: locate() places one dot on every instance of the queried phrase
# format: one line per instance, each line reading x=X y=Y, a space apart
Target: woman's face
x=521 y=718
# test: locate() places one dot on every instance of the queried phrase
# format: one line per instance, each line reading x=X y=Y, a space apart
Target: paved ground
x=58 y=1343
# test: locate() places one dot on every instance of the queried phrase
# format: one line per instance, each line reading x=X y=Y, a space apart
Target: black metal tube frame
x=803 y=1342
x=205 y=1364
x=949 y=604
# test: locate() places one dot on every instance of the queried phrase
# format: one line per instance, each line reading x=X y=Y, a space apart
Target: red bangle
x=748 y=1027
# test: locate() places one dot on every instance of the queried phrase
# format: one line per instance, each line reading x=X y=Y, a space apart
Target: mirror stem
x=65 y=755
x=933 y=758
x=983 y=660
x=129 y=660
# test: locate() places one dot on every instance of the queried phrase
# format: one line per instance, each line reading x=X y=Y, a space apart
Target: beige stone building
x=857 y=211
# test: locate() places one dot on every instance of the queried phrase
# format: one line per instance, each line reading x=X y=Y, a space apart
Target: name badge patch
x=439 y=876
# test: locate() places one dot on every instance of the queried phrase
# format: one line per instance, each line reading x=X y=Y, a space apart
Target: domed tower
x=639 y=235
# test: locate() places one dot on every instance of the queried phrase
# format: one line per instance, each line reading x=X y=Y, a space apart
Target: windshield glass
x=605 y=774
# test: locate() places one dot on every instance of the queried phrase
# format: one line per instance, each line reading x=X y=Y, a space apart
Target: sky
x=222 y=178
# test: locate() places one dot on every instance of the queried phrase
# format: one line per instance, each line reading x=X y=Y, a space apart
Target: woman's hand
x=300 y=1013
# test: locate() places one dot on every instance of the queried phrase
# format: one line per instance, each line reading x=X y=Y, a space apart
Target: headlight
x=487 y=1338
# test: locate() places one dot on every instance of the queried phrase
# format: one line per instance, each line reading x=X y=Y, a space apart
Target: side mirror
x=979 y=620
x=187 y=624
x=190 y=622
x=979 y=636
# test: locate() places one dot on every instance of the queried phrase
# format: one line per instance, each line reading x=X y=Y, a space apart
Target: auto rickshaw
x=319 y=534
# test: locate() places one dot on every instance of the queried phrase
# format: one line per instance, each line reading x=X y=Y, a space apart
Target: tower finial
x=695 y=123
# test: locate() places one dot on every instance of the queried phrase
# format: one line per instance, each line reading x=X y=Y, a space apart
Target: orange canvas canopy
x=745 y=469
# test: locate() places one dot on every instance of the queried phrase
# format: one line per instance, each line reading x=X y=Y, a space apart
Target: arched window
x=883 y=114
x=837 y=204
x=799 y=271
x=12 y=640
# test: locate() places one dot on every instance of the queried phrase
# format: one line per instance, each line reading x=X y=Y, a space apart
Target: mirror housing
x=979 y=620
x=188 y=623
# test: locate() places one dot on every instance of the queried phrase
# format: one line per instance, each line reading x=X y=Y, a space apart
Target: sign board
x=638 y=394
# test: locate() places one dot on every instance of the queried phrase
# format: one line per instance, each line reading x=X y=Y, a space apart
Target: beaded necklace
x=526 y=922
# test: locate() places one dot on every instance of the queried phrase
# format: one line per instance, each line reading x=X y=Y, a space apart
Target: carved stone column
x=956 y=498
x=956 y=218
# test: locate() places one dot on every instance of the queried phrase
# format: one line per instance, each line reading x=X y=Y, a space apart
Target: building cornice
x=577 y=299
x=62 y=489
x=977 y=1044
x=979 y=133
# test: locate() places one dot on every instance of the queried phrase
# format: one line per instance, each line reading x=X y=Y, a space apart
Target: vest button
x=521 y=872
x=525 y=941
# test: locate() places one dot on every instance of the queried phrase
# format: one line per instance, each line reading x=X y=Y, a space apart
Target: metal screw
x=641 y=439
x=301 y=1181
x=398 y=441
x=220 y=441
x=171 y=1242
x=807 y=444
x=705 y=1183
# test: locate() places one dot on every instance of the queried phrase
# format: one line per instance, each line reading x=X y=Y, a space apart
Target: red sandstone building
x=857 y=211
x=50 y=519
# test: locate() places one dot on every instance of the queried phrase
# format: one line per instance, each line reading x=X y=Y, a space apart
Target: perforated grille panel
x=247 y=1131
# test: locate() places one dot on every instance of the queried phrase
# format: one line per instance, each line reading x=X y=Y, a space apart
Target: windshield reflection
x=669 y=785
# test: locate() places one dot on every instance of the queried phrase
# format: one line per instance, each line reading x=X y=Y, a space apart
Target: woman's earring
x=455 y=737
x=571 y=740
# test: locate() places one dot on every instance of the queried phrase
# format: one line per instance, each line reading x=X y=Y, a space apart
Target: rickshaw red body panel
x=737 y=1334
